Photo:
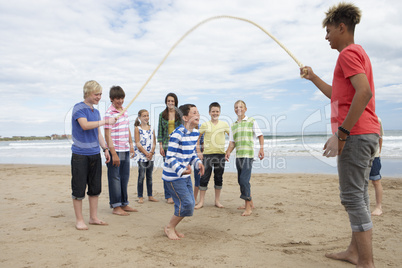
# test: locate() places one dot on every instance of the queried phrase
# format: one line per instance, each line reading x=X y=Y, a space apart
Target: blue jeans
x=165 y=187
x=244 y=166
x=182 y=193
x=375 y=170
x=118 y=180
x=354 y=165
x=197 y=176
x=145 y=169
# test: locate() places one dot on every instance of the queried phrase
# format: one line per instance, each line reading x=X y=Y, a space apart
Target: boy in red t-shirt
x=354 y=125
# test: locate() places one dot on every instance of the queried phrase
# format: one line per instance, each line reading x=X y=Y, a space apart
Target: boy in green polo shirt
x=242 y=135
x=214 y=153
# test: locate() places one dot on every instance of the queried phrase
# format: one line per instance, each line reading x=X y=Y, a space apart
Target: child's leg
x=378 y=198
x=170 y=229
x=244 y=166
x=202 y=197
x=149 y=170
x=219 y=168
x=93 y=211
x=197 y=179
x=182 y=192
x=79 y=219
x=204 y=180
x=124 y=178
x=140 y=182
x=217 y=197
x=94 y=189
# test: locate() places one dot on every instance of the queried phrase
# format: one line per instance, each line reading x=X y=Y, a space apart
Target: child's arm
x=87 y=125
x=261 y=152
x=229 y=150
x=151 y=154
x=130 y=141
x=110 y=145
x=103 y=145
x=198 y=147
x=160 y=135
x=138 y=143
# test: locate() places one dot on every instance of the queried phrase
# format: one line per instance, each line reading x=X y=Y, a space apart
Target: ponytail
x=137 y=120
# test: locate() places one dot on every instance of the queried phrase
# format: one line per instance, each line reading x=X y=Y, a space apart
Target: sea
x=284 y=153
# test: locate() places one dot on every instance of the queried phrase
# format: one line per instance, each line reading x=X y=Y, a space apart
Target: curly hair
x=345 y=13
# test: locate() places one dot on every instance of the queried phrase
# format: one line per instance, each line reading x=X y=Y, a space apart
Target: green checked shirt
x=243 y=134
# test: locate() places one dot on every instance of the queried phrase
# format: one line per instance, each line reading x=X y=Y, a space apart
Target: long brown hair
x=165 y=113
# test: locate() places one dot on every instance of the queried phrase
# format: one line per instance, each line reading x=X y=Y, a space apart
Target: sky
x=50 y=48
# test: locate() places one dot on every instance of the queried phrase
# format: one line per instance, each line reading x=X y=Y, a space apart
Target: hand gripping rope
x=195 y=27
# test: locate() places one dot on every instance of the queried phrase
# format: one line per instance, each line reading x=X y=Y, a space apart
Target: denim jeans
x=244 y=166
x=118 y=180
x=354 y=165
x=182 y=193
x=165 y=187
x=145 y=169
x=197 y=176
x=217 y=163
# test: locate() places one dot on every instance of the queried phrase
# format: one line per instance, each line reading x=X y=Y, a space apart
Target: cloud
x=50 y=48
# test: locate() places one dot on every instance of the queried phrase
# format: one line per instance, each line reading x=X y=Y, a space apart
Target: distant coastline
x=36 y=138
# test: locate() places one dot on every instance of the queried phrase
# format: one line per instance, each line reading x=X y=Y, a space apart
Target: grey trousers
x=354 y=165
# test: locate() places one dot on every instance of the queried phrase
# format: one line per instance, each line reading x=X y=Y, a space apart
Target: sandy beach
x=298 y=218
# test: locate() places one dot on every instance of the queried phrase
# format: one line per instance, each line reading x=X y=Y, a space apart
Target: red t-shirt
x=351 y=61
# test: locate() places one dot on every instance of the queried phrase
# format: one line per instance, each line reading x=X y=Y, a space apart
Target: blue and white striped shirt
x=181 y=153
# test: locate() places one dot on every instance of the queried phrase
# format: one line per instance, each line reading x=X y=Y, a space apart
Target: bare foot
x=171 y=234
x=140 y=200
x=179 y=234
x=169 y=201
x=152 y=199
x=247 y=212
x=199 y=205
x=119 y=211
x=343 y=256
x=377 y=212
x=129 y=209
x=81 y=226
x=218 y=205
x=244 y=207
x=97 y=222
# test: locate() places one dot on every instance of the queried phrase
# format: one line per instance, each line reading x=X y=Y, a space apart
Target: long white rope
x=191 y=30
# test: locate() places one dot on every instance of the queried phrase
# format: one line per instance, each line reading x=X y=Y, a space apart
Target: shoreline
x=298 y=218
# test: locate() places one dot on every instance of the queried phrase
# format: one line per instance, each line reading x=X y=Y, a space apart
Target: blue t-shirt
x=85 y=142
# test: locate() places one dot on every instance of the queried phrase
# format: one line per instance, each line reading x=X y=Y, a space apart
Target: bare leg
x=244 y=207
x=196 y=190
x=93 y=211
x=217 y=197
x=349 y=255
x=79 y=219
x=378 y=198
x=202 y=198
x=170 y=229
x=169 y=201
x=248 y=210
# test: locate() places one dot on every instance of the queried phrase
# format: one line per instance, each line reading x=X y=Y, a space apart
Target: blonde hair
x=241 y=102
x=345 y=13
x=137 y=120
x=91 y=87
